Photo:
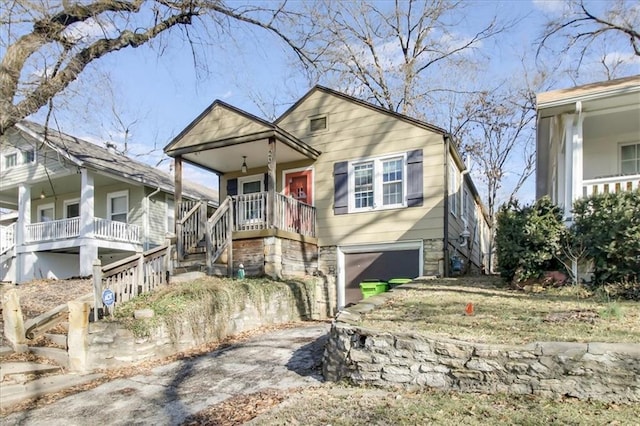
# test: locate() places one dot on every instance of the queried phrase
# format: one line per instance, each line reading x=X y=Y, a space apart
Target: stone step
x=19 y=371
x=14 y=393
x=5 y=350
x=60 y=356
x=187 y=276
x=57 y=339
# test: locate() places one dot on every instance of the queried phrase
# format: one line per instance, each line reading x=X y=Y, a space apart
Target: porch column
x=577 y=154
x=24 y=220
x=271 y=181
x=568 y=165
x=177 y=207
x=88 y=246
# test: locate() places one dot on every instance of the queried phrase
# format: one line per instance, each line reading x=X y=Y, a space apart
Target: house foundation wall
x=45 y=265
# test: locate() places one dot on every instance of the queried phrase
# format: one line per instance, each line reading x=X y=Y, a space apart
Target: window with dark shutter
x=415 y=196
x=232 y=187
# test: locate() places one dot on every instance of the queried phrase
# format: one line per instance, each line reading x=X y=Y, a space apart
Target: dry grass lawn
x=500 y=315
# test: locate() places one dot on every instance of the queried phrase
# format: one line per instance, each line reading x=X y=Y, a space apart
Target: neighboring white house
x=588 y=140
x=74 y=202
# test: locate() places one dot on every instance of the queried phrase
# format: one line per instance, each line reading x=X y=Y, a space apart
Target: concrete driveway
x=280 y=359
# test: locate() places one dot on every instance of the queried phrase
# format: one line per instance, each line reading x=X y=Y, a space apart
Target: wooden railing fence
x=219 y=235
x=130 y=277
x=191 y=226
x=7 y=238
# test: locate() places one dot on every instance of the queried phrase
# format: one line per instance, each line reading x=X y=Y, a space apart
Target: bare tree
x=395 y=54
x=583 y=24
x=48 y=44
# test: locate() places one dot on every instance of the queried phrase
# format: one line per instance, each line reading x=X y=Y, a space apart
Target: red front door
x=298 y=185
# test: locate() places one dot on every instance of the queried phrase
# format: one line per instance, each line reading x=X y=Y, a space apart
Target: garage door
x=381 y=265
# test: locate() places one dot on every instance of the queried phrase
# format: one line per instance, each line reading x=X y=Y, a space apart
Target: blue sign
x=107 y=297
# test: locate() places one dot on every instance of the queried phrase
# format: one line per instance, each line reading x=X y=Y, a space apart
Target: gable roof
x=588 y=91
x=352 y=99
x=86 y=154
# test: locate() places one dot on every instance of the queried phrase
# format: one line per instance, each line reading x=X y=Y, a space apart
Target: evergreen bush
x=609 y=226
x=528 y=239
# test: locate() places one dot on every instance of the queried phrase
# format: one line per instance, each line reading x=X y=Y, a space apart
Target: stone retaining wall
x=108 y=344
x=599 y=371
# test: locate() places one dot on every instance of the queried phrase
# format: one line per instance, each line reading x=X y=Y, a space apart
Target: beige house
x=338 y=188
x=588 y=140
x=72 y=202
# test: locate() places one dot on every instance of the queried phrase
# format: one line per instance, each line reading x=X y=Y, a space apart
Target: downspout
x=146 y=219
x=447 y=142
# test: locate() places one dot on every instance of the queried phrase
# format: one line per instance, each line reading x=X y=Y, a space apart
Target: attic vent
x=317 y=124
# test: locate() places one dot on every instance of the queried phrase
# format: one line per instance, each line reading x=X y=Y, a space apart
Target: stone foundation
x=598 y=371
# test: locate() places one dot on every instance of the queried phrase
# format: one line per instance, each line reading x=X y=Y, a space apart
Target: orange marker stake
x=469 y=309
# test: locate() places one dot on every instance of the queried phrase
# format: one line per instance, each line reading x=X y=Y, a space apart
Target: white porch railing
x=251 y=212
x=70 y=228
x=610 y=185
x=7 y=238
x=116 y=231
x=53 y=230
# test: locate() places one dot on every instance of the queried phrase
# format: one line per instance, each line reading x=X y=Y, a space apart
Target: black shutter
x=266 y=182
x=415 y=195
x=341 y=188
x=232 y=187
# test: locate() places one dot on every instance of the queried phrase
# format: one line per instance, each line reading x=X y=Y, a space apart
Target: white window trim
x=454 y=175
x=117 y=194
x=69 y=202
x=247 y=179
x=46 y=206
x=7 y=155
x=34 y=156
x=623 y=144
x=377 y=183
x=170 y=213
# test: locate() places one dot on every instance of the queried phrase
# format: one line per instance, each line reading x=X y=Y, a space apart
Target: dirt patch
x=39 y=296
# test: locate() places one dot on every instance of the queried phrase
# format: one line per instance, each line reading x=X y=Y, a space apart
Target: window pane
x=629 y=167
x=46 y=215
x=251 y=187
x=10 y=160
x=119 y=209
x=27 y=156
x=363 y=187
x=392 y=182
x=628 y=152
x=319 y=123
x=73 y=210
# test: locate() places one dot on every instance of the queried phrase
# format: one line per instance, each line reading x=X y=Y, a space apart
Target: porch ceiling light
x=42 y=195
x=244 y=167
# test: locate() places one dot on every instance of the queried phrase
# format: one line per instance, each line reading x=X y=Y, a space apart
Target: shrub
x=609 y=226
x=528 y=239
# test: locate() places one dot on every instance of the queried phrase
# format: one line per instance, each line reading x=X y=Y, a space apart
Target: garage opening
x=381 y=265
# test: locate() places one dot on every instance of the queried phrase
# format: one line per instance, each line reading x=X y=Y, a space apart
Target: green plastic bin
x=372 y=287
x=394 y=282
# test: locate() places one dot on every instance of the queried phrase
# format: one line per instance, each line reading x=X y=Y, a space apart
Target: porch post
x=88 y=248
x=24 y=220
x=271 y=180
x=568 y=166
x=577 y=154
x=177 y=205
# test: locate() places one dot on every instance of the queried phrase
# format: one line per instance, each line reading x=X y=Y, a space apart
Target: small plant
x=611 y=310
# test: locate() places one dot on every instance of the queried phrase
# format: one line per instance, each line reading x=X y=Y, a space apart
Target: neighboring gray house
x=75 y=202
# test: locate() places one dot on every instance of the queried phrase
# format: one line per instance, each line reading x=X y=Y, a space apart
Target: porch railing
x=219 y=234
x=132 y=276
x=251 y=212
x=191 y=226
x=610 y=185
x=293 y=216
x=53 y=230
x=116 y=231
x=70 y=228
x=7 y=238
